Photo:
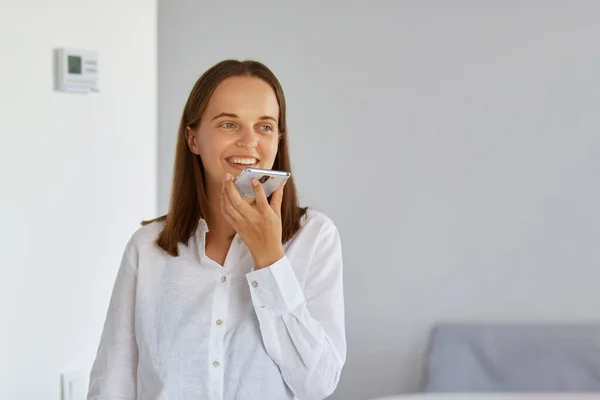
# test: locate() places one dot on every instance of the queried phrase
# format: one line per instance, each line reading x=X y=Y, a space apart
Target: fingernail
x=228 y=177
x=255 y=182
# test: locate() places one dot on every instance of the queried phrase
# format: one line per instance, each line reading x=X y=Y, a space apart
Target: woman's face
x=239 y=129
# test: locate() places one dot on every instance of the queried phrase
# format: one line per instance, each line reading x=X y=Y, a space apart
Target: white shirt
x=185 y=327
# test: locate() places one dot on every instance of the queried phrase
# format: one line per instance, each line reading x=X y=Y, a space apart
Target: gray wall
x=456 y=144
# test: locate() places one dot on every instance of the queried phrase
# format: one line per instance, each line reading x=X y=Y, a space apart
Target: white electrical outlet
x=74 y=385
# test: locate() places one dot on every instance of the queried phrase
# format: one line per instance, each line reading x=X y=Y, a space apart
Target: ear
x=191 y=139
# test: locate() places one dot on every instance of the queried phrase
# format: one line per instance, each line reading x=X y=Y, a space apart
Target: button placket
x=217 y=332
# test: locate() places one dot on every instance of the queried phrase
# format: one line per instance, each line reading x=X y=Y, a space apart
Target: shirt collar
x=202 y=226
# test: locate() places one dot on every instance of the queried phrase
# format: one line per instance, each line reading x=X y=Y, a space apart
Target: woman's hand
x=258 y=223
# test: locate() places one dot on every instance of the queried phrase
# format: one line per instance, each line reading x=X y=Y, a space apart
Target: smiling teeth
x=243 y=161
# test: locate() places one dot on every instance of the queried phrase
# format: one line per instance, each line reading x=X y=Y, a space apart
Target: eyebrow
x=230 y=115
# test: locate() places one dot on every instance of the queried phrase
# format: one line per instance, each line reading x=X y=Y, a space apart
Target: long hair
x=189 y=201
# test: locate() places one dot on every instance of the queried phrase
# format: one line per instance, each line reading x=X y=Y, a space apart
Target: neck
x=218 y=226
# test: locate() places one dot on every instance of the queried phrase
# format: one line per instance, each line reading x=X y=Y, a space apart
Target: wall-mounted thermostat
x=76 y=70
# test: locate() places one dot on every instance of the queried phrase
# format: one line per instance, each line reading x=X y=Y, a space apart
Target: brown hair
x=189 y=201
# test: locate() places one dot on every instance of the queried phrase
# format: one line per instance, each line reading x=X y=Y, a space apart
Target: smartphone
x=269 y=179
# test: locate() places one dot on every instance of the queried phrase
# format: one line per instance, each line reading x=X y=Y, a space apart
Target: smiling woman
x=235 y=118
x=227 y=298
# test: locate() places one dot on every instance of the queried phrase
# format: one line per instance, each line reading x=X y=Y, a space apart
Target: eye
x=266 y=128
x=227 y=125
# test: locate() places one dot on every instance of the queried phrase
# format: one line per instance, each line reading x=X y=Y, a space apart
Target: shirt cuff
x=275 y=289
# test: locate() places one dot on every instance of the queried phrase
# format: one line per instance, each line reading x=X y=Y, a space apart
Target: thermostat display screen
x=74 y=63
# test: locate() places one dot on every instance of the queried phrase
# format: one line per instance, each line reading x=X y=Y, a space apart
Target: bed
x=511 y=362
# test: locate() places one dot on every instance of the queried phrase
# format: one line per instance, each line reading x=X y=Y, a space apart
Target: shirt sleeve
x=114 y=372
x=303 y=329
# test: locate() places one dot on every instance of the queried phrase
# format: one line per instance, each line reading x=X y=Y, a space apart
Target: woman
x=227 y=297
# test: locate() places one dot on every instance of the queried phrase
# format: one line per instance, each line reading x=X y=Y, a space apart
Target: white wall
x=463 y=143
x=78 y=173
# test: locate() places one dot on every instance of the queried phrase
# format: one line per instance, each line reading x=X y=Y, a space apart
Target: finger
x=259 y=194
x=229 y=218
x=236 y=200
x=224 y=187
x=227 y=207
x=277 y=199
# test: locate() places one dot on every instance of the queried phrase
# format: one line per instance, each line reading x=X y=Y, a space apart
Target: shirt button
x=254 y=284
x=223 y=279
x=219 y=322
x=215 y=364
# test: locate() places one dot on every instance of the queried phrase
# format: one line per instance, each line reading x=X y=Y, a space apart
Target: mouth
x=240 y=163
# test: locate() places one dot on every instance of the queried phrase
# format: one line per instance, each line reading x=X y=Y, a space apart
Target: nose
x=248 y=138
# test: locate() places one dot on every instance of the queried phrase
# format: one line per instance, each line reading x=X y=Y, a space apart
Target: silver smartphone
x=269 y=179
